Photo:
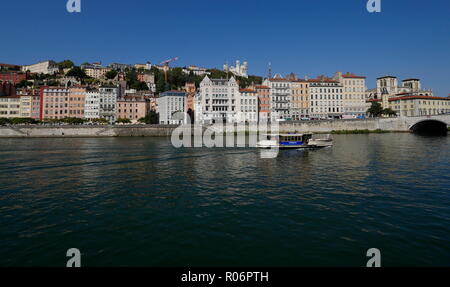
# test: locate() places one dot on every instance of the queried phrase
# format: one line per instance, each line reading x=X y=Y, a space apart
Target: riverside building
x=107 y=103
x=279 y=98
x=354 y=94
x=168 y=104
x=248 y=107
x=132 y=107
x=326 y=98
x=217 y=101
x=263 y=102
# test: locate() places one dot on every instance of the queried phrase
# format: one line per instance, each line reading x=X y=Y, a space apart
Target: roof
x=247 y=91
x=262 y=87
x=411 y=80
x=173 y=93
x=352 y=76
x=386 y=77
x=418 y=97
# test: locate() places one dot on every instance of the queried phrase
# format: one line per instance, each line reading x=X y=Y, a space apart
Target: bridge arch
x=430 y=127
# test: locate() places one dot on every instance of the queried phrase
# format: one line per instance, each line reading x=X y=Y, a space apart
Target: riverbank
x=363 y=126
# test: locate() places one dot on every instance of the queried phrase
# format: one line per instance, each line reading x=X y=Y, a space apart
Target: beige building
x=10 y=107
x=132 y=107
x=299 y=99
x=326 y=98
x=26 y=104
x=77 y=100
x=354 y=94
x=412 y=106
x=96 y=73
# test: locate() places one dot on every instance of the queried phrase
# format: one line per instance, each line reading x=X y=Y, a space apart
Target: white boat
x=293 y=141
x=326 y=141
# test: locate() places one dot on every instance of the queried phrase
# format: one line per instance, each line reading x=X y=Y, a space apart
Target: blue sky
x=409 y=38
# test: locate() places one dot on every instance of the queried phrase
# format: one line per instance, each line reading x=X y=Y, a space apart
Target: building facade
x=248 y=107
x=54 y=103
x=170 y=103
x=13 y=77
x=263 y=93
x=132 y=107
x=46 y=67
x=92 y=105
x=326 y=98
x=354 y=94
x=10 y=107
x=96 y=73
x=280 y=97
x=77 y=99
x=108 y=103
x=299 y=99
x=217 y=101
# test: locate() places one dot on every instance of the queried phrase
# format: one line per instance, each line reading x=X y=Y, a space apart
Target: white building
x=279 y=97
x=108 y=103
x=217 y=101
x=168 y=104
x=238 y=70
x=248 y=110
x=46 y=67
x=92 y=105
x=198 y=71
x=326 y=98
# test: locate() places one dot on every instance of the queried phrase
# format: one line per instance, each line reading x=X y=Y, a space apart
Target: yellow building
x=413 y=105
x=26 y=103
x=354 y=94
x=10 y=107
x=408 y=105
x=96 y=73
x=299 y=99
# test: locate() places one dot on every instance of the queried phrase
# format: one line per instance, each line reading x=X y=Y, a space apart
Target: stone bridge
x=433 y=124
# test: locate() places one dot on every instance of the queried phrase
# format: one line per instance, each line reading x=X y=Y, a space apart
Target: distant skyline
x=408 y=39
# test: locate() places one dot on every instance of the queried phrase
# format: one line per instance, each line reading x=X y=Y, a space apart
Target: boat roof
x=289 y=135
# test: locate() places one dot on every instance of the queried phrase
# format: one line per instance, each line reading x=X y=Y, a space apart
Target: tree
x=24 y=84
x=389 y=112
x=111 y=74
x=123 y=121
x=77 y=72
x=375 y=109
x=100 y=121
x=152 y=118
x=66 y=64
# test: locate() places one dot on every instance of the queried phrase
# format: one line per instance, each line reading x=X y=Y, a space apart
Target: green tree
x=123 y=121
x=5 y=121
x=24 y=84
x=111 y=74
x=66 y=64
x=152 y=118
x=389 y=112
x=375 y=109
x=77 y=72
x=100 y=121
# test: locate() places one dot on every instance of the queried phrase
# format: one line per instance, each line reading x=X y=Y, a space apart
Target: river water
x=142 y=202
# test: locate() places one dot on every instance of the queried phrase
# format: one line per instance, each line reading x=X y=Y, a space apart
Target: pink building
x=60 y=102
x=132 y=107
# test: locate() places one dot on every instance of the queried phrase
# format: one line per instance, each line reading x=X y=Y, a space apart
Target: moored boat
x=293 y=141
